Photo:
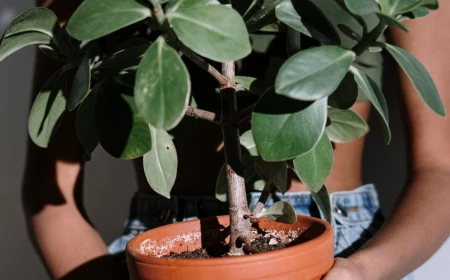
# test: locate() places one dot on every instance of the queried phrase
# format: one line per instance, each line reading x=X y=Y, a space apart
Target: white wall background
x=110 y=183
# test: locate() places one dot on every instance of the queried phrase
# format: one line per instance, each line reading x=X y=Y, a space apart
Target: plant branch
x=203 y=64
x=263 y=198
x=238 y=206
x=158 y=12
x=202 y=114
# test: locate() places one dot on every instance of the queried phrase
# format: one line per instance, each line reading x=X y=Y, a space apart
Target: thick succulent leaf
x=286 y=13
x=275 y=172
x=176 y=5
x=314 y=73
x=48 y=109
x=96 y=18
x=49 y=51
x=162 y=86
x=248 y=143
x=315 y=166
x=322 y=198
x=374 y=94
x=419 y=77
x=123 y=60
x=345 y=126
x=392 y=22
x=284 y=128
x=254 y=85
x=397 y=7
x=281 y=212
x=121 y=130
x=220 y=32
x=419 y=12
x=161 y=163
x=34 y=20
x=317 y=22
x=261 y=14
x=345 y=95
x=362 y=7
x=16 y=42
x=85 y=124
x=81 y=83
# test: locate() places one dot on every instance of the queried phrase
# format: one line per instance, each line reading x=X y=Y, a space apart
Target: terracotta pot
x=308 y=260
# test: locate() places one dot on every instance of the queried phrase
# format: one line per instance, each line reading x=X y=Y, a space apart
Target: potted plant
x=130 y=95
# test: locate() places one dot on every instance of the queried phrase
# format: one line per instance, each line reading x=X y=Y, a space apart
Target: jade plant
x=130 y=95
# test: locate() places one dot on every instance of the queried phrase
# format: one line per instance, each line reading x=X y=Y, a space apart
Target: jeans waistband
x=347 y=206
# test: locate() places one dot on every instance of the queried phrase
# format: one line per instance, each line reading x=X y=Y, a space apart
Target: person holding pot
x=72 y=249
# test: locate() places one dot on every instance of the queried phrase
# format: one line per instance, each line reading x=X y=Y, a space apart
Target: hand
x=344 y=269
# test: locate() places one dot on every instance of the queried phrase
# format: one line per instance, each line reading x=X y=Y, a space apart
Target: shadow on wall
x=386 y=165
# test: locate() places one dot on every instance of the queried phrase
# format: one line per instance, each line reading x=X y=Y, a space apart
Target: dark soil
x=264 y=242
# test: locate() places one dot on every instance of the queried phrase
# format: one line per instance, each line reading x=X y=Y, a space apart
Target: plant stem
x=203 y=64
x=158 y=12
x=240 y=226
x=201 y=114
x=369 y=38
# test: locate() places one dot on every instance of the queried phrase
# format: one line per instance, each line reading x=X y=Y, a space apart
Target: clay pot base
x=308 y=260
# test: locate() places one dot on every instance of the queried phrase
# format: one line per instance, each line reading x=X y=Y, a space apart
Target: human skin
x=420 y=223
x=52 y=189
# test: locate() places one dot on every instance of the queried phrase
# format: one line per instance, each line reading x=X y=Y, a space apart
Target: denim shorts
x=356 y=215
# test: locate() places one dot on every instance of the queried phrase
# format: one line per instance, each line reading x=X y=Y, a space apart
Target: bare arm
x=52 y=197
x=421 y=222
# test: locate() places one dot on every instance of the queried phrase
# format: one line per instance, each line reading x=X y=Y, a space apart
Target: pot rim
x=304 y=247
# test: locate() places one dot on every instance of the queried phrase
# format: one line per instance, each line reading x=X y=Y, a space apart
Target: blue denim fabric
x=356 y=214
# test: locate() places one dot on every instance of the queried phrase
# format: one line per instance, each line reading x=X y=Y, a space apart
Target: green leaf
x=124 y=60
x=96 y=18
x=81 y=83
x=48 y=109
x=161 y=163
x=39 y=20
x=162 y=86
x=220 y=32
x=362 y=7
x=248 y=143
x=281 y=212
x=314 y=73
x=284 y=128
x=260 y=14
x=322 y=199
x=121 y=130
x=317 y=22
x=49 y=51
x=85 y=123
x=222 y=185
x=345 y=126
x=392 y=22
x=16 y=42
x=315 y=166
x=397 y=7
x=419 y=12
x=345 y=95
x=285 y=12
x=252 y=84
x=374 y=94
x=176 y=5
x=275 y=172
x=419 y=77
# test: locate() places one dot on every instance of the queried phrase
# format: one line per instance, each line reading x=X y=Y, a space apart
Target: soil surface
x=262 y=242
